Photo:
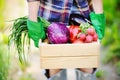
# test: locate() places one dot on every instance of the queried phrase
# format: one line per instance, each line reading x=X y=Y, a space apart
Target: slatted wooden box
x=83 y=55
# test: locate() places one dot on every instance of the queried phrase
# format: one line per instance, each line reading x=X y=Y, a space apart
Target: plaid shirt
x=60 y=10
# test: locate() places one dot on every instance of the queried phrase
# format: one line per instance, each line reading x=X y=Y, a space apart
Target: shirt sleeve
x=32 y=0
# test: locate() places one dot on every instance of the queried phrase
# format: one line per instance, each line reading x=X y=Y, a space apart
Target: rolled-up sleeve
x=32 y=0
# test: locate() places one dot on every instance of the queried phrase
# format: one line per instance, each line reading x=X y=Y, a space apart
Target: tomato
x=74 y=31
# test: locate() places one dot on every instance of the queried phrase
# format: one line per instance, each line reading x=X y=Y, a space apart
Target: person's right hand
x=36 y=31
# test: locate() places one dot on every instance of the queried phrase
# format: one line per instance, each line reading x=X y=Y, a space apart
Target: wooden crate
x=83 y=55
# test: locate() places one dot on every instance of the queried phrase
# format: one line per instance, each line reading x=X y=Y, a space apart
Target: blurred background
x=10 y=67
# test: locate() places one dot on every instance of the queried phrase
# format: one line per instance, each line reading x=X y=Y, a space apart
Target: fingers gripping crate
x=83 y=55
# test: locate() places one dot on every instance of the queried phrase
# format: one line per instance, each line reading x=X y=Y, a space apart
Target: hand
x=36 y=31
x=98 y=21
x=87 y=70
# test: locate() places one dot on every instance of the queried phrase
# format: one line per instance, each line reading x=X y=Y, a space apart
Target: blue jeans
x=79 y=75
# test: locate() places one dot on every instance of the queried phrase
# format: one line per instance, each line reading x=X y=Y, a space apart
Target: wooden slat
x=69 y=49
x=69 y=62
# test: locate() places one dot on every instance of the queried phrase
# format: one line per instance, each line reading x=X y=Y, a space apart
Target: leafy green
x=84 y=27
x=19 y=36
x=100 y=73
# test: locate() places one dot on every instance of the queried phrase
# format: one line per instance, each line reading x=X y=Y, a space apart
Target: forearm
x=33 y=7
x=97 y=6
x=87 y=70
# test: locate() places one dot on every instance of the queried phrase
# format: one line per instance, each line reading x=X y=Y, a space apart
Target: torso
x=60 y=10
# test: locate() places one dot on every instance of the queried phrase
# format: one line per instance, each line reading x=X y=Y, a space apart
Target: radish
x=90 y=31
x=82 y=36
x=95 y=37
x=89 y=39
x=77 y=41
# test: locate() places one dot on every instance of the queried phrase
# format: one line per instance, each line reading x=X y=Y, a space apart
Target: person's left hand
x=98 y=21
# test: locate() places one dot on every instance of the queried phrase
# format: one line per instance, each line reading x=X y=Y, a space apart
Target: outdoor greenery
x=2 y=7
x=111 y=41
x=4 y=58
x=112 y=33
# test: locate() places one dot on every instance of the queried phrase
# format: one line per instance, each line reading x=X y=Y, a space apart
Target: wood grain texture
x=69 y=62
x=55 y=56
x=69 y=49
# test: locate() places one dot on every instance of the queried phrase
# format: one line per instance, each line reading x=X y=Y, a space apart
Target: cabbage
x=57 y=33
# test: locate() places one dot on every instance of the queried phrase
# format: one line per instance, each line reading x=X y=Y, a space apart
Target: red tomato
x=74 y=30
